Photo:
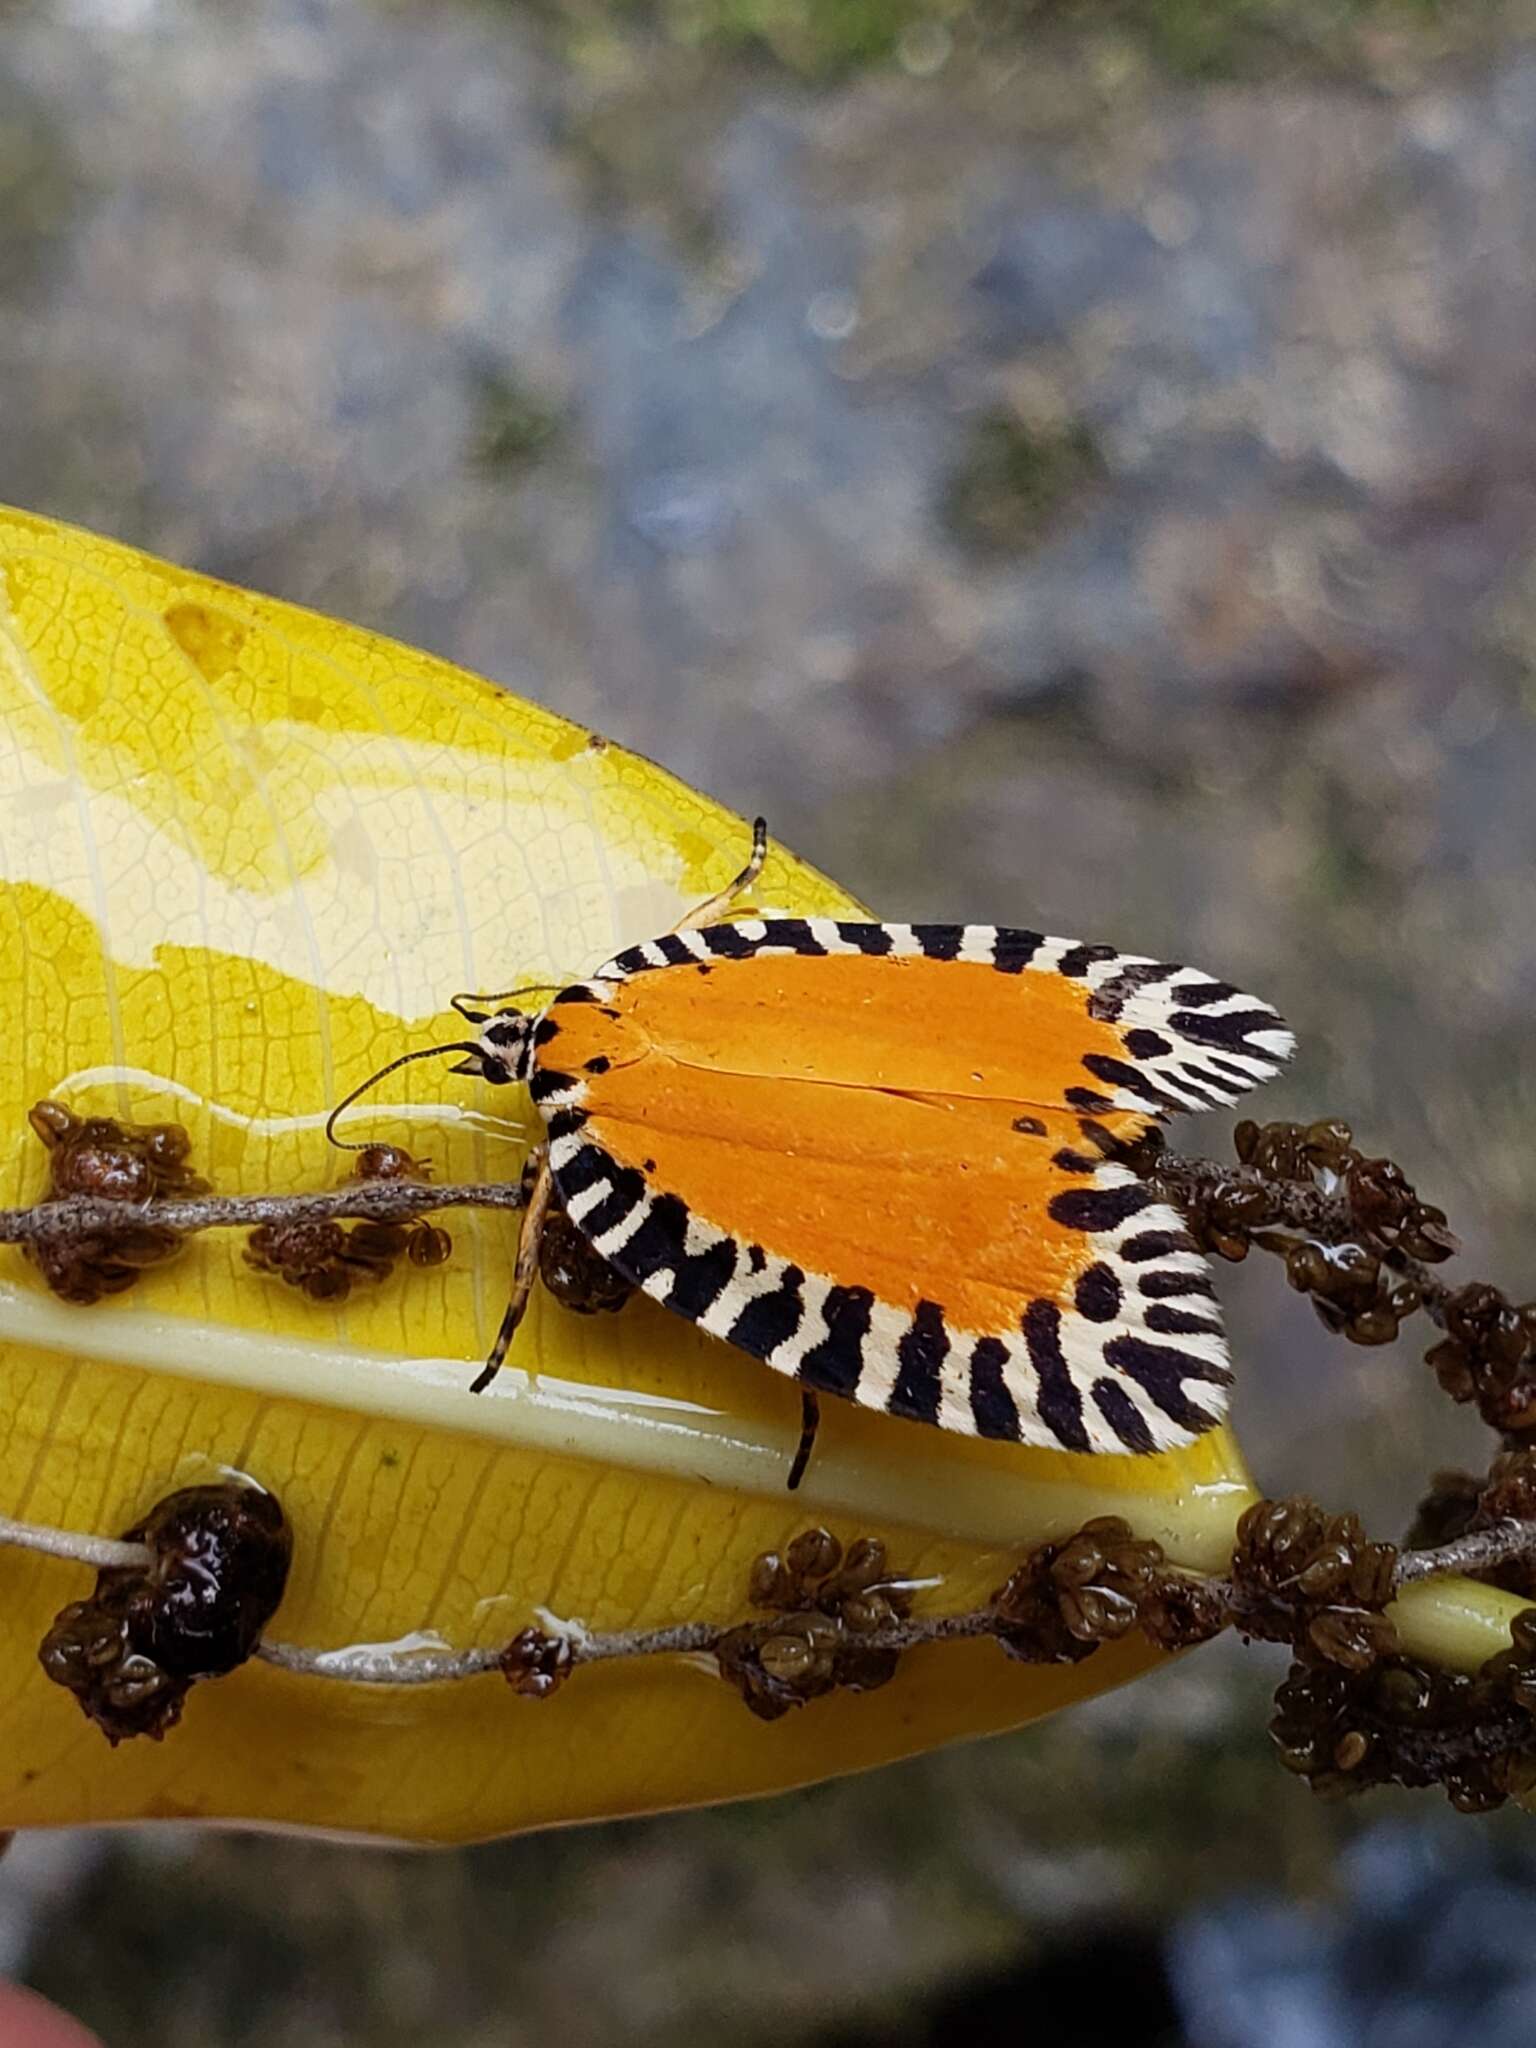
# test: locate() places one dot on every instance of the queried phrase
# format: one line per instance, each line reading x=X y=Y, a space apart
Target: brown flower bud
x=771 y=1583
x=1178 y=1611
x=1351 y=1637
x=814 y=1553
x=575 y=1272
x=535 y=1663
x=219 y=1564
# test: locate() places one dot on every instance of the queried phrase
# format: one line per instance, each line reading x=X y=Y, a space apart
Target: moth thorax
x=505 y=1047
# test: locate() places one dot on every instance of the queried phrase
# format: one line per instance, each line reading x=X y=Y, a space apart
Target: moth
x=881 y=1158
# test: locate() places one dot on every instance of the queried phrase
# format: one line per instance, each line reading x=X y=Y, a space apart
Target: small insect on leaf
x=248 y=857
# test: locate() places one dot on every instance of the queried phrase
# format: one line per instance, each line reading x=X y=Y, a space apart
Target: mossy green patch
x=820 y=40
x=827 y=40
x=512 y=425
x=1213 y=39
x=1014 y=481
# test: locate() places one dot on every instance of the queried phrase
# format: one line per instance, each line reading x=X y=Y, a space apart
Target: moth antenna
x=505 y=995
x=426 y=1052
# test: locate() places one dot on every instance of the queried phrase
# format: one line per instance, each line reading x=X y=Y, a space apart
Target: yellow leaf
x=246 y=856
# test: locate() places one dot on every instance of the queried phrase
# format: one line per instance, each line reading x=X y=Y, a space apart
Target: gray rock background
x=1068 y=465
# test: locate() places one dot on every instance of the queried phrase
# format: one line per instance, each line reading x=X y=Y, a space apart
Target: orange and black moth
x=880 y=1158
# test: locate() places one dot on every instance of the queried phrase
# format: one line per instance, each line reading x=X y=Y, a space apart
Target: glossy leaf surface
x=246 y=856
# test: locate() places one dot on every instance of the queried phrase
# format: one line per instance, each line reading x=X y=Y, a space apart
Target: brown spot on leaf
x=211 y=641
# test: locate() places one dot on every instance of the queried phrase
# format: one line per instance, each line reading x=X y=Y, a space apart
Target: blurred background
x=1069 y=462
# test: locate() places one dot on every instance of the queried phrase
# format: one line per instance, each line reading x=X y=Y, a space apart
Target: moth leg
x=810 y=1421
x=714 y=908
x=540 y=1185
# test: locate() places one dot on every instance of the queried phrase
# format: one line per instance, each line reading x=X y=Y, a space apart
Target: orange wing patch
x=874 y=1157
x=906 y=1024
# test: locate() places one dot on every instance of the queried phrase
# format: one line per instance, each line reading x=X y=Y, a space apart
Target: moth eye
x=484 y=1065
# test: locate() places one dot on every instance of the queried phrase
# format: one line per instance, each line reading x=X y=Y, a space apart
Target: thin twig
x=1301 y=1206
x=378 y=1667
x=432 y=1667
x=1434 y=1293
x=1289 y=1204
x=1479 y=1550
x=1296 y=1205
x=694 y=1638
x=376 y=1201
x=105 y=1553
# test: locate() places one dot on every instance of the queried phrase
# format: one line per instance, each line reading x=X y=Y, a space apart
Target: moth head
x=503 y=1052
